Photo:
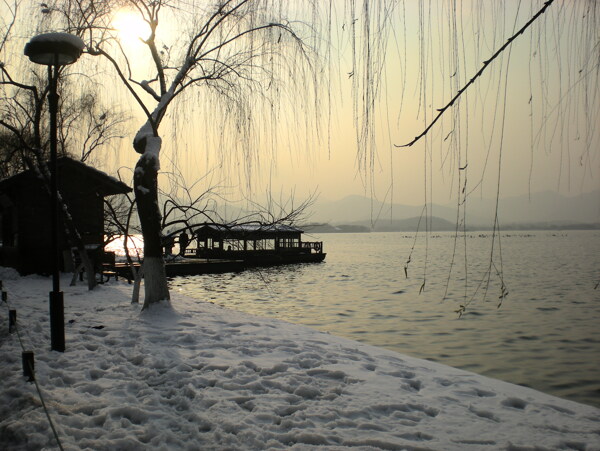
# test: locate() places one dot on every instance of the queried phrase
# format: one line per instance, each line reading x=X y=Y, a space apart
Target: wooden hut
x=25 y=214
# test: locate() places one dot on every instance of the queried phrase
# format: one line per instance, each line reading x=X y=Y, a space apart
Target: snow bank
x=198 y=376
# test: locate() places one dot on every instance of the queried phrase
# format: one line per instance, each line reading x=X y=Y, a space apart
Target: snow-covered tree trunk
x=146 y=195
x=137 y=282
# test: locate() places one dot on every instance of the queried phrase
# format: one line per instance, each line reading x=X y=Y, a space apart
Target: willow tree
x=244 y=50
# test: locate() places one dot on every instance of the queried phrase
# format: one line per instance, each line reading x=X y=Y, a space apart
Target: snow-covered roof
x=110 y=185
x=248 y=229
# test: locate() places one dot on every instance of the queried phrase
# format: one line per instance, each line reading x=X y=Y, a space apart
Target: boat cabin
x=256 y=243
x=25 y=214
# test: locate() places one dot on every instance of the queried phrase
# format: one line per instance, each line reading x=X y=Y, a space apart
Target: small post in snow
x=28 y=365
x=12 y=321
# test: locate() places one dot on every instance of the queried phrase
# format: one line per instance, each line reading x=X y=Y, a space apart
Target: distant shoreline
x=445 y=226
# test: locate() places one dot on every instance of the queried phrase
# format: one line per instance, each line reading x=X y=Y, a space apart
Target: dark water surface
x=546 y=334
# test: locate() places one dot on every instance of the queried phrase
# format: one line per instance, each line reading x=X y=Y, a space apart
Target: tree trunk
x=85 y=264
x=72 y=233
x=137 y=281
x=146 y=195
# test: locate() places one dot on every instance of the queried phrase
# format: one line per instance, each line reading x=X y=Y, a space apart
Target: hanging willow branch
x=486 y=63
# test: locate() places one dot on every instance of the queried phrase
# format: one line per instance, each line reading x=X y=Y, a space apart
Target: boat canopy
x=252 y=231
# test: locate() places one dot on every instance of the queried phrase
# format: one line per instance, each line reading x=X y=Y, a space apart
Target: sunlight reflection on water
x=544 y=336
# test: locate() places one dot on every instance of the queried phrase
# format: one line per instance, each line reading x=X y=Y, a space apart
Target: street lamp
x=54 y=50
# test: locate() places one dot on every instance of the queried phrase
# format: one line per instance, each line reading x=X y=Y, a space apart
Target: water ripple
x=545 y=335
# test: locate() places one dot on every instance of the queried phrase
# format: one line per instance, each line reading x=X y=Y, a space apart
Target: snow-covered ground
x=197 y=376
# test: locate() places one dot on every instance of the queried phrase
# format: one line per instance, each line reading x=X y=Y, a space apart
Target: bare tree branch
x=99 y=51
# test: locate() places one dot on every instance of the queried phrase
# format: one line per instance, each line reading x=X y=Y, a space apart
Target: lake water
x=546 y=334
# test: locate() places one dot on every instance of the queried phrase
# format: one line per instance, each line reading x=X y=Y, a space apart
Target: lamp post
x=54 y=50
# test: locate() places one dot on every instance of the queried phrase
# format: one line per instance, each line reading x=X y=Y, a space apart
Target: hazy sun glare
x=130 y=27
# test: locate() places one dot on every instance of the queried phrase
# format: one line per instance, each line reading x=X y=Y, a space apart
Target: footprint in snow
x=514 y=403
x=484 y=414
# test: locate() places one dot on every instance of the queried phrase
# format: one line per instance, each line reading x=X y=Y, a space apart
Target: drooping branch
x=486 y=63
x=13 y=18
x=240 y=35
x=99 y=51
x=208 y=29
x=15 y=131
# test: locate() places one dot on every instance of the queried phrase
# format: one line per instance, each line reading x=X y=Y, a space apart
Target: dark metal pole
x=57 y=316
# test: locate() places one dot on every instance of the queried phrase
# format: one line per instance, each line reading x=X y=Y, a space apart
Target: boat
x=254 y=244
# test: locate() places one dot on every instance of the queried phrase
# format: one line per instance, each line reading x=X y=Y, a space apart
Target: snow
x=142 y=189
x=148 y=145
x=144 y=132
x=54 y=48
x=153 y=145
x=249 y=228
x=192 y=375
x=58 y=37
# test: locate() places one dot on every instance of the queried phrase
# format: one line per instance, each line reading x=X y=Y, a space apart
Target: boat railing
x=317 y=246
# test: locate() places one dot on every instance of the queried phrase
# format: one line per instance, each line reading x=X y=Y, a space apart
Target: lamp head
x=54 y=49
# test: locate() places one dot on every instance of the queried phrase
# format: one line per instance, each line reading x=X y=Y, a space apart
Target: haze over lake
x=545 y=334
x=547 y=207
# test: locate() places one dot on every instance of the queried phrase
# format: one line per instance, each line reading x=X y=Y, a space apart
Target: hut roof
x=102 y=182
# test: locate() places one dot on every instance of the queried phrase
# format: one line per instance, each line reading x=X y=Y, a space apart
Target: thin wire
x=31 y=370
x=27 y=336
x=273 y=295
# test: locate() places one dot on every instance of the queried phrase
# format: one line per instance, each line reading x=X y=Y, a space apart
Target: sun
x=130 y=27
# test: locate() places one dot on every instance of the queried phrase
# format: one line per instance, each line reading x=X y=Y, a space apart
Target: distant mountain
x=542 y=207
x=354 y=209
x=539 y=208
x=435 y=224
x=341 y=228
x=401 y=225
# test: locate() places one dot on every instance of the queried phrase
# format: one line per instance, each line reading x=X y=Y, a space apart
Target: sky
x=511 y=132
x=522 y=129
x=526 y=125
